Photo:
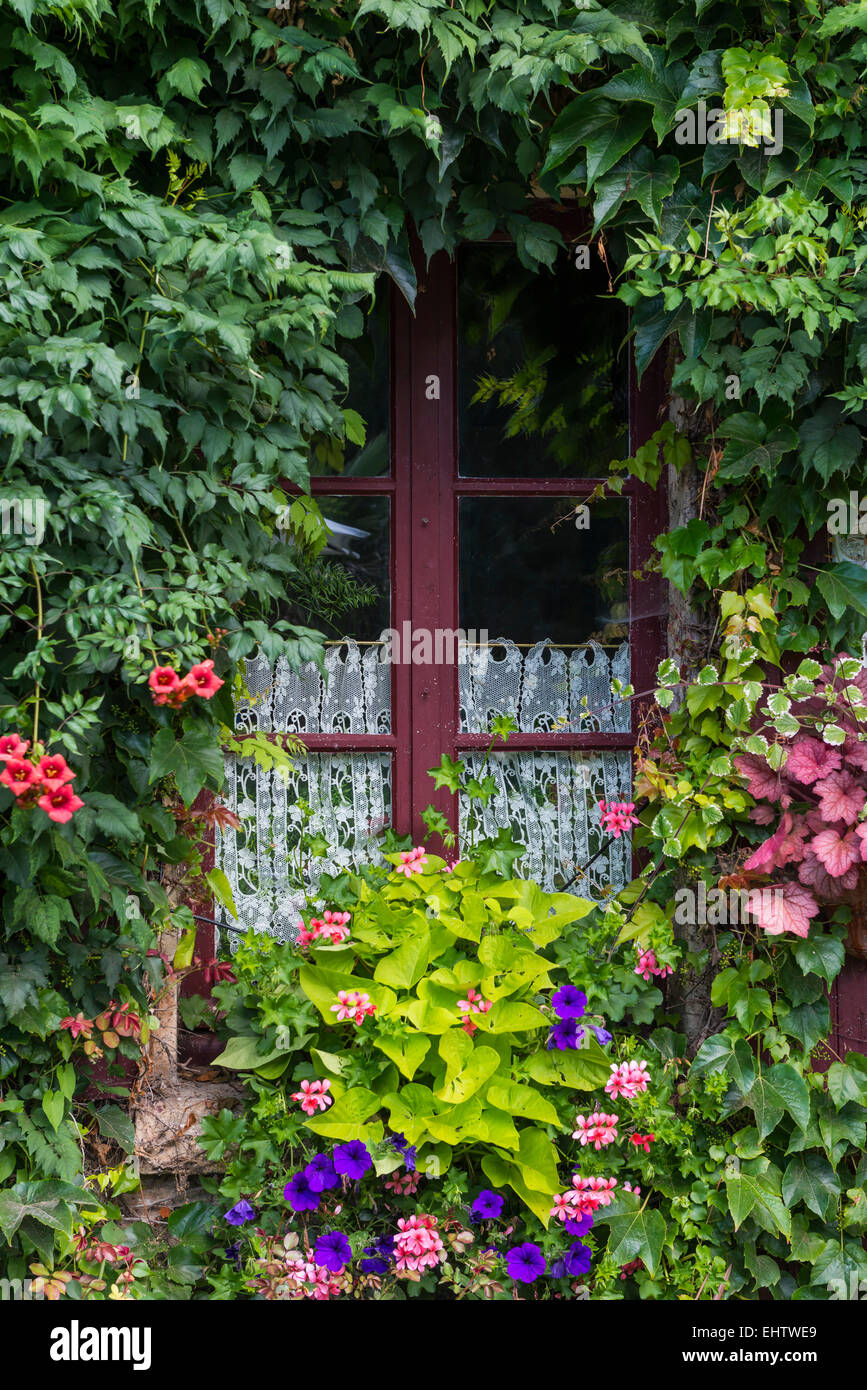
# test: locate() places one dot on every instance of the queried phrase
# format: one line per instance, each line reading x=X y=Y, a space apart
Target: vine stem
x=39 y=624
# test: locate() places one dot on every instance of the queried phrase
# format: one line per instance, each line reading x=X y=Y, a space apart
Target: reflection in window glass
x=346 y=591
x=528 y=572
x=367 y=358
x=542 y=379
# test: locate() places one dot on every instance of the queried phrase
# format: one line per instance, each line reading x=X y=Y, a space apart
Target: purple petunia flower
x=569 y=1002
x=409 y=1158
x=320 y=1173
x=352 y=1159
x=579 y=1227
x=300 y=1195
x=525 y=1263
x=577 y=1259
x=558 y=1269
x=333 y=1251
x=602 y=1034
x=233 y=1254
x=488 y=1205
x=238 y=1214
x=381 y=1253
x=565 y=1034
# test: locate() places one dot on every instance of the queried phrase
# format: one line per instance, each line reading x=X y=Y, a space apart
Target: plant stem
x=39 y=619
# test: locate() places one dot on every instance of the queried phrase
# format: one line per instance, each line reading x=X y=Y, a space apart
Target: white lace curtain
x=548 y=800
x=544 y=688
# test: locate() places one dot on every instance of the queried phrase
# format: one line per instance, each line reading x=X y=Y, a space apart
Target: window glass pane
x=545 y=608
x=542 y=379
x=368 y=360
x=528 y=571
x=346 y=591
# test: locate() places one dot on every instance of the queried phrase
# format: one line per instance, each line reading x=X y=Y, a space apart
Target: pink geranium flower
x=412 y=861
x=597 y=1129
x=648 y=965
x=474 y=1003
x=313 y=1096
x=404 y=1184
x=617 y=817
x=627 y=1079
x=11 y=746
x=418 y=1244
x=59 y=805
x=564 y=1206
x=352 y=1004
x=591 y=1193
x=642 y=1141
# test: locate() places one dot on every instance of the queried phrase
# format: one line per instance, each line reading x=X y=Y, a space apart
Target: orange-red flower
x=202 y=681
x=11 y=746
x=55 y=772
x=59 y=805
x=19 y=776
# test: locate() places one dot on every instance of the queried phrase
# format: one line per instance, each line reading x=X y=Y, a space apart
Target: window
x=491 y=413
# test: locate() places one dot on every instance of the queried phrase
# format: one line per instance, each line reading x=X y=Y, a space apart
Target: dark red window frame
x=423 y=487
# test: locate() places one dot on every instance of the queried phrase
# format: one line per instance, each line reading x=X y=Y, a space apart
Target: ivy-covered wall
x=198 y=199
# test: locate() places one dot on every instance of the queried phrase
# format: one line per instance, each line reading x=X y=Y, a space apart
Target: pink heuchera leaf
x=837 y=852
x=861 y=832
x=783 y=907
x=855 y=753
x=842 y=797
x=773 y=852
x=762 y=782
x=763 y=815
x=809 y=760
x=816 y=876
